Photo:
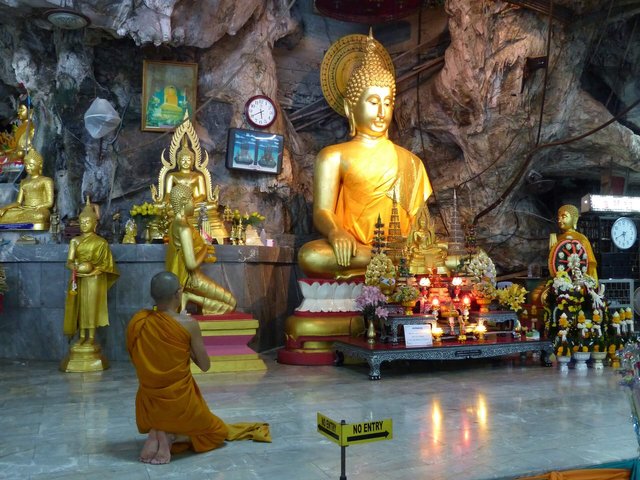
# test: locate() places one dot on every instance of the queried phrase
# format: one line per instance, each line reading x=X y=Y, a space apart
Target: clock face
x=260 y=111
x=624 y=233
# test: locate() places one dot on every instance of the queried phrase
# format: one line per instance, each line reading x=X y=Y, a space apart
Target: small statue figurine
x=186 y=251
x=570 y=242
x=55 y=228
x=186 y=166
x=93 y=273
x=116 y=227
x=130 y=232
x=425 y=255
x=32 y=208
x=354 y=182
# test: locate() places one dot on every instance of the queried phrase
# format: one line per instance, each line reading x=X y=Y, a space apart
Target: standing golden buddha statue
x=32 y=208
x=93 y=273
x=186 y=252
x=354 y=182
x=22 y=135
x=569 y=242
x=186 y=166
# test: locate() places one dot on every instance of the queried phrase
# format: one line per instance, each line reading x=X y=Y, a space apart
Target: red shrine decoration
x=367 y=11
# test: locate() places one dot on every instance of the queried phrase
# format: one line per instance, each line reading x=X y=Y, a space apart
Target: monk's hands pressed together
x=344 y=246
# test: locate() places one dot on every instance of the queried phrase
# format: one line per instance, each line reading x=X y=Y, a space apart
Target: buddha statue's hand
x=344 y=246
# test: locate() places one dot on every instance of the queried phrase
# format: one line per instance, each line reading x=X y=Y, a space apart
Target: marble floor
x=463 y=420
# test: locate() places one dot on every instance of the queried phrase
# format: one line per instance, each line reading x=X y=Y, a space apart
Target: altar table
x=492 y=346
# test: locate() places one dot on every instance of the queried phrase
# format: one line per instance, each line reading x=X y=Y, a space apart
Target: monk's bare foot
x=163 y=455
x=150 y=447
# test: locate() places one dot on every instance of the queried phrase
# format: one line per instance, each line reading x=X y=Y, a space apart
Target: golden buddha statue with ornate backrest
x=186 y=252
x=570 y=242
x=35 y=197
x=186 y=166
x=425 y=254
x=355 y=181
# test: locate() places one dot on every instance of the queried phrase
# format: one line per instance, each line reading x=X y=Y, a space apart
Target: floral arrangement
x=405 y=293
x=380 y=270
x=371 y=303
x=483 y=272
x=145 y=210
x=253 y=218
x=512 y=297
x=577 y=313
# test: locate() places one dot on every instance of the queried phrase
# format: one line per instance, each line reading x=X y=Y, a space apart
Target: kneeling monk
x=169 y=405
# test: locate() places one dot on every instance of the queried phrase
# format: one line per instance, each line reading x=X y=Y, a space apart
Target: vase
x=408 y=307
x=581 y=360
x=371 y=332
x=483 y=303
x=563 y=363
x=597 y=358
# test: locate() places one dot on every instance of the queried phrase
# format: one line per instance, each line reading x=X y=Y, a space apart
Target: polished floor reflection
x=462 y=420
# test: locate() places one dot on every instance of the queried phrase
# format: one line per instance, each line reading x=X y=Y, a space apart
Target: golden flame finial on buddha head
x=370 y=72
x=89 y=211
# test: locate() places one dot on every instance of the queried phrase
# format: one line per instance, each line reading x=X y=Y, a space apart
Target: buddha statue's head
x=33 y=162
x=181 y=199
x=370 y=95
x=23 y=112
x=88 y=218
x=568 y=217
x=185 y=155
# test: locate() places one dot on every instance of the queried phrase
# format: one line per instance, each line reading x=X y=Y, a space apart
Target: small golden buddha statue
x=187 y=167
x=564 y=245
x=94 y=272
x=425 y=255
x=186 y=252
x=130 y=232
x=355 y=181
x=35 y=197
x=22 y=135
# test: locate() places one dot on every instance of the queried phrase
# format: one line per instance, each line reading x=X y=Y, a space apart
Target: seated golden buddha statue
x=425 y=254
x=186 y=252
x=355 y=181
x=564 y=245
x=35 y=197
x=22 y=135
x=187 y=167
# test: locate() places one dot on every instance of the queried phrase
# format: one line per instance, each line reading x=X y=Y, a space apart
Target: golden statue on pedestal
x=186 y=251
x=93 y=273
x=425 y=254
x=35 y=197
x=571 y=242
x=355 y=181
x=187 y=167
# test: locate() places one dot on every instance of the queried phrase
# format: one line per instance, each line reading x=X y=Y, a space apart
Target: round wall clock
x=260 y=111
x=624 y=233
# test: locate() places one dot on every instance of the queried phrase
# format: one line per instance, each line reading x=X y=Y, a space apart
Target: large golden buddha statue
x=186 y=166
x=571 y=242
x=35 y=197
x=186 y=252
x=355 y=181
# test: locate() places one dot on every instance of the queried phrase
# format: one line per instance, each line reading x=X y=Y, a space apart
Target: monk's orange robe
x=168 y=397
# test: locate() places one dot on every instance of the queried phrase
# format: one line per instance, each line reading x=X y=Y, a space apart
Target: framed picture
x=169 y=89
x=255 y=151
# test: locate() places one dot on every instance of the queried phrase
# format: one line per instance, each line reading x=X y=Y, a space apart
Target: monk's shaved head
x=164 y=286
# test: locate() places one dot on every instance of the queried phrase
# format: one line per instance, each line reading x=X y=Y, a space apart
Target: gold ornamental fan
x=340 y=61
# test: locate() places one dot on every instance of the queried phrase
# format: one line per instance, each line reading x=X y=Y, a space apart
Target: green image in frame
x=169 y=89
